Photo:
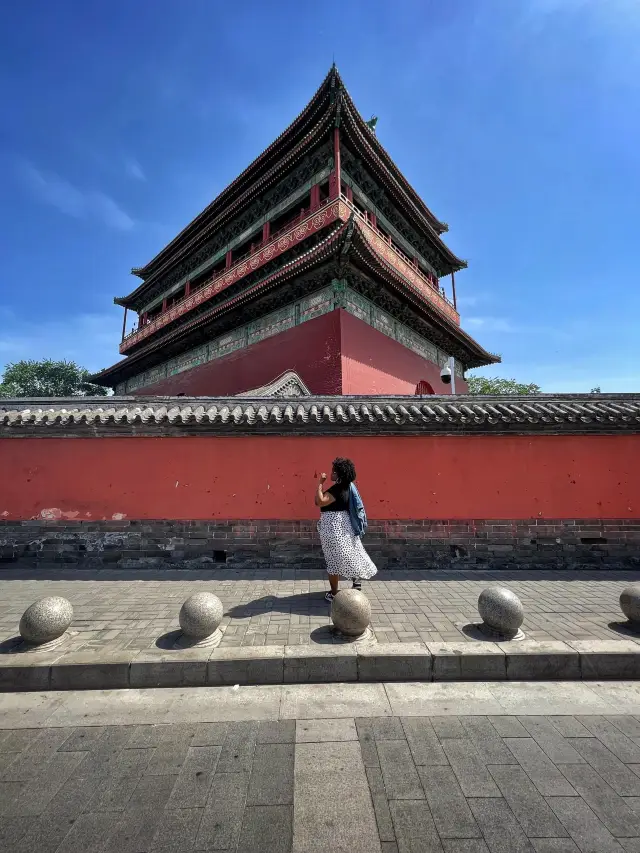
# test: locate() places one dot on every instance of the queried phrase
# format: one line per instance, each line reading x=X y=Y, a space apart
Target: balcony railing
x=312 y=219
x=414 y=266
x=249 y=261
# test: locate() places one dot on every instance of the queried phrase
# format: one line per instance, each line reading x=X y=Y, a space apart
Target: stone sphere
x=501 y=610
x=630 y=603
x=351 y=612
x=46 y=620
x=200 y=615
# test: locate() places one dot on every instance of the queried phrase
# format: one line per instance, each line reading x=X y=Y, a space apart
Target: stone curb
x=526 y=660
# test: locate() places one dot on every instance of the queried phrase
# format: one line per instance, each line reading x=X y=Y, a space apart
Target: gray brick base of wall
x=397 y=544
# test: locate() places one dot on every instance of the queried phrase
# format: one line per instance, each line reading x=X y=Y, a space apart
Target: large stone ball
x=46 y=620
x=200 y=615
x=501 y=610
x=351 y=612
x=630 y=603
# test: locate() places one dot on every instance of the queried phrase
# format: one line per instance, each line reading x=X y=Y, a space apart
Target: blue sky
x=516 y=120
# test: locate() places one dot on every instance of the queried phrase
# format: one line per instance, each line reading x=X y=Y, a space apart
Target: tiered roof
x=330 y=107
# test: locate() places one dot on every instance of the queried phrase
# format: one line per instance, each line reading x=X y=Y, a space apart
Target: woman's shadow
x=300 y=603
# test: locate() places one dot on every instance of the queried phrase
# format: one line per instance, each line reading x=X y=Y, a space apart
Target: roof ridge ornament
x=371 y=124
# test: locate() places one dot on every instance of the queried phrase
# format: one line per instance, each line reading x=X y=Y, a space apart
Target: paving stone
x=238 y=748
x=277 y=731
x=490 y=746
x=616 y=741
x=16 y=740
x=266 y=828
x=423 y=742
x=501 y=830
x=84 y=670
x=87 y=835
x=82 y=739
x=447 y=727
x=401 y=779
x=316 y=731
x=33 y=797
x=628 y=725
x=271 y=781
x=621 y=778
x=527 y=804
x=540 y=769
x=554 y=845
x=145 y=736
x=508 y=726
x=194 y=780
x=12 y=829
x=112 y=794
x=583 y=826
x=449 y=808
x=328 y=778
x=176 y=827
x=30 y=762
x=134 y=831
x=569 y=726
x=44 y=835
x=380 y=804
x=388 y=847
x=615 y=814
x=169 y=756
x=551 y=741
x=151 y=792
x=471 y=772
x=465 y=845
x=414 y=827
x=380 y=728
x=222 y=815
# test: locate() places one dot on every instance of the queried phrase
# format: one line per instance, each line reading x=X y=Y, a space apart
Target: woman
x=343 y=550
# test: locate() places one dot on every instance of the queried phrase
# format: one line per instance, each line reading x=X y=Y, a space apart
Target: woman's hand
x=323 y=478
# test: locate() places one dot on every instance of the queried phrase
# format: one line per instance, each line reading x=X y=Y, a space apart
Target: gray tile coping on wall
x=526 y=660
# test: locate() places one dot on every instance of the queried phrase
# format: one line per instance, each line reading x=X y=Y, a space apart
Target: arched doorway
x=423 y=387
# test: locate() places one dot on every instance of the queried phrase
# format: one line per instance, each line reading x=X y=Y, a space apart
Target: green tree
x=596 y=390
x=48 y=379
x=497 y=385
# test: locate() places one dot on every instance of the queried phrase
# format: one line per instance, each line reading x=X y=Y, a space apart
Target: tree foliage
x=497 y=385
x=48 y=378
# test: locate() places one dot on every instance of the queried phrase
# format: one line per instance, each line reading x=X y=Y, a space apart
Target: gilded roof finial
x=371 y=124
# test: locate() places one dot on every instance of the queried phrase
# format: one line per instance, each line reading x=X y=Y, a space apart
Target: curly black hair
x=345 y=470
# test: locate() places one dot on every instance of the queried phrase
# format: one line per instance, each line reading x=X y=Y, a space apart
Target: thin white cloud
x=134 y=169
x=57 y=192
x=91 y=340
x=490 y=324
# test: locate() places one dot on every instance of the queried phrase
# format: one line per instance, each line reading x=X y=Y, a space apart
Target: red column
x=124 y=322
x=349 y=193
x=187 y=288
x=315 y=197
x=227 y=260
x=373 y=219
x=453 y=290
x=266 y=231
x=164 y=304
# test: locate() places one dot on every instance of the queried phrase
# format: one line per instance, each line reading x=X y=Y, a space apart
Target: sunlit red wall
x=483 y=477
x=312 y=349
x=333 y=354
x=373 y=363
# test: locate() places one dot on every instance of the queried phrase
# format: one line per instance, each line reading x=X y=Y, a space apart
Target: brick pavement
x=439 y=784
x=117 y=609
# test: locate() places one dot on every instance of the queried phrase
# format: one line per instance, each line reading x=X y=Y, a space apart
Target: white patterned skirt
x=343 y=551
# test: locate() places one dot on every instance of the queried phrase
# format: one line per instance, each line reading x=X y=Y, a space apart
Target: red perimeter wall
x=272 y=477
x=333 y=354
